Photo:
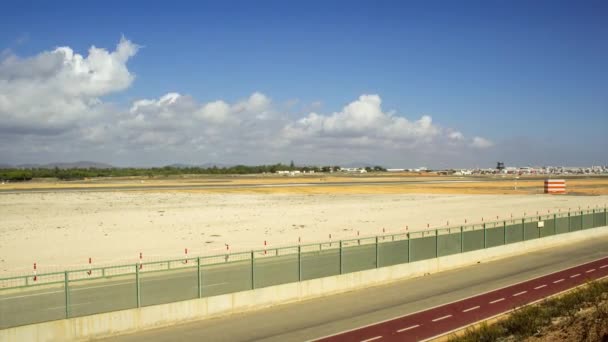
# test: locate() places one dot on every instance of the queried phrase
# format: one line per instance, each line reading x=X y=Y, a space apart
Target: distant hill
x=74 y=165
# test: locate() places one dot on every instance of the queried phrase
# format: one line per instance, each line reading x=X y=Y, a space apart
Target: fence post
x=569 y=223
x=137 y=286
x=299 y=263
x=436 y=243
x=554 y=224
x=409 y=249
x=537 y=227
x=198 y=272
x=461 y=239
x=378 y=255
x=252 y=275
x=523 y=229
x=341 y=268
x=67 y=294
x=484 y=236
x=504 y=232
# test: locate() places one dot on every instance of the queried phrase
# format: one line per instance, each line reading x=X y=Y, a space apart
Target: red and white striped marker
x=264 y=247
x=90 y=271
x=140 y=260
x=35 y=276
x=186 y=252
x=383 y=231
x=299 y=239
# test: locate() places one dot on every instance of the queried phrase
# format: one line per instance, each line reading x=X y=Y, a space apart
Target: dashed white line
x=589 y=271
x=497 y=300
x=519 y=293
x=540 y=287
x=372 y=339
x=603 y=266
x=575 y=275
x=558 y=281
x=471 y=309
x=408 y=328
x=441 y=318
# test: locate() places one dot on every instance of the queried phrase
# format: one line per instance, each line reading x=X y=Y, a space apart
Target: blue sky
x=529 y=76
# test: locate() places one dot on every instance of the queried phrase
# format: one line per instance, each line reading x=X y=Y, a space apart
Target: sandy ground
x=63 y=229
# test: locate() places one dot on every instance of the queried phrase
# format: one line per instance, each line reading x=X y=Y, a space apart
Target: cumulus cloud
x=456 y=136
x=363 y=122
x=57 y=88
x=55 y=101
x=479 y=142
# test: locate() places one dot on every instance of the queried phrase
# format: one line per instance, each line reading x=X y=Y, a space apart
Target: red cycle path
x=443 y=319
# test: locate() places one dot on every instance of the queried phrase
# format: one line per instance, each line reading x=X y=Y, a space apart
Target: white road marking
x=575 y=275
x=591 y=270
x=603 y=266
x=408 y=328
x=519 y=293
x=558 y=281
x=496 y=301
x=372 y=339
x=71 y=305
x=441 y=318
x=210 y=285
x=71 y=290
x=471 y=309
x=540 y=287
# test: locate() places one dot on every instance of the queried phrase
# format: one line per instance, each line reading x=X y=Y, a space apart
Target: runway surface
x=230 y=186
x=316 y=318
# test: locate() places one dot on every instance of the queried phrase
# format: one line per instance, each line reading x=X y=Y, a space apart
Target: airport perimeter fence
x=52 y=296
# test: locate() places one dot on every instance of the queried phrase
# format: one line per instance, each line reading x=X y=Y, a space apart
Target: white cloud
x=479 y=142
x=456 y=136
x=53 y=101
x=55 y=89
x=363 y=121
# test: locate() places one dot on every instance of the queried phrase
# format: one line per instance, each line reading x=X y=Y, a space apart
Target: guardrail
x=50 y=296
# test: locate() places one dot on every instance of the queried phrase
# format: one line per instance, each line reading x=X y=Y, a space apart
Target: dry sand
x=63 y=229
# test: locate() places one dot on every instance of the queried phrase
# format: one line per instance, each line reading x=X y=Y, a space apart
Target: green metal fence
x=51 y=296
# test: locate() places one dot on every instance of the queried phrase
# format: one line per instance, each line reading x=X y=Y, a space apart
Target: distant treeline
x=82 y=173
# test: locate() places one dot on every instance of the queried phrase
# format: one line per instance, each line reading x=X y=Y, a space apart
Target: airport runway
x=316 y=318
x=231 y=186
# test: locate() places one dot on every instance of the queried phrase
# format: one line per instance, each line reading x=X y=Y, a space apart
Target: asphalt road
x=48 y=302
x=441 y=320
x=317 y=318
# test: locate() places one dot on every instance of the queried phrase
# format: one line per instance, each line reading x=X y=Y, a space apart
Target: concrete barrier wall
x=118 y=322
